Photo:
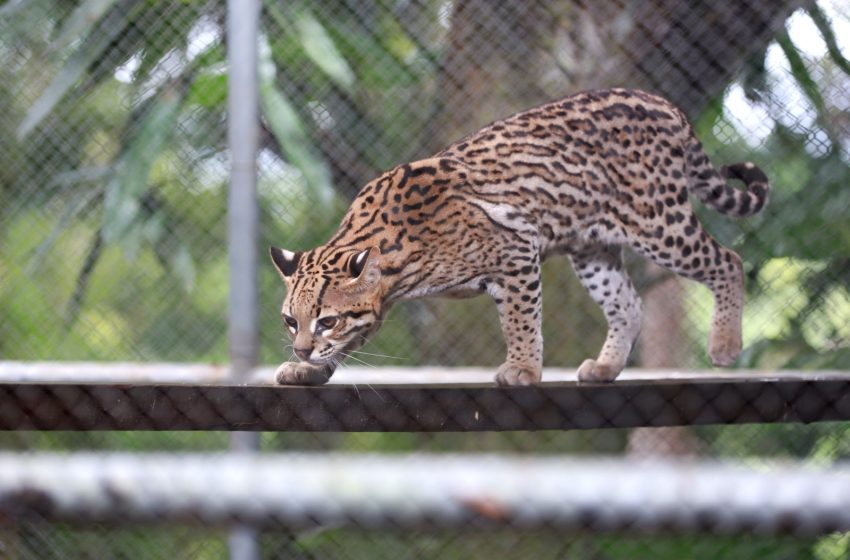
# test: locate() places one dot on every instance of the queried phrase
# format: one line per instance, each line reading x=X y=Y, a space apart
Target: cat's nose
x=303 y=353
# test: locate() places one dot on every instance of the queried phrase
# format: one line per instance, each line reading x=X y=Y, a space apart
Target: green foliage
x=543 y=545
x=78 y=63
x=43 y=541
x=292 y=138
x=123 y=198
x=321 y=49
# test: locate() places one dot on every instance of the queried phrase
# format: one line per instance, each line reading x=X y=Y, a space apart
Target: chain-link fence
x=113 y=241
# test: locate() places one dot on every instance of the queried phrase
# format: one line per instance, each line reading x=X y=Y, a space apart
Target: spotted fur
x=579 y=177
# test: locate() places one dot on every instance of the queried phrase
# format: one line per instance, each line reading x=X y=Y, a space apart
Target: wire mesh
x=113 y=175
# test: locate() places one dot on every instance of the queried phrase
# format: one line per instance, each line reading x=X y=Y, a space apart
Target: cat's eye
x=290 y=322
x=328 y=322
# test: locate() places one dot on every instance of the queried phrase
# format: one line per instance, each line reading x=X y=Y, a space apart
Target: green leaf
x=807 y=83
x=290 y=133
x=12 y=6
x=66 y=220
x=828 y=34
x=322 y=50
x=376 y=62
x=122 y=201
x=800 y=71
x=208 y=90
x=81 y=21
x=754 y=76
x=184 y=267
x=315 y=42
x=74 y=69
x=166 y=27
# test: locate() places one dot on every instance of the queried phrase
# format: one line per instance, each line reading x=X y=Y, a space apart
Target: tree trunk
x=491 y=44
x=663 y=343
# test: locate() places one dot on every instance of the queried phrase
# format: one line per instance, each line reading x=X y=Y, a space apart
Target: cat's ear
x=357 y=262
x=286 y=262
x=365 y=267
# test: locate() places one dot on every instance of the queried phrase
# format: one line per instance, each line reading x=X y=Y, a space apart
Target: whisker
x=356 y=359
x=356 y=389
x=376 y=392
x=377 y=355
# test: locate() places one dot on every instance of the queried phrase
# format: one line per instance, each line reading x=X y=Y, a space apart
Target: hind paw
x=598 y=372
x=724 y=350
x=516 y=374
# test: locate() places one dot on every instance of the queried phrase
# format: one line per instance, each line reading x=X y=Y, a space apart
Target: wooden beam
x=668 y=399
x=200 y=374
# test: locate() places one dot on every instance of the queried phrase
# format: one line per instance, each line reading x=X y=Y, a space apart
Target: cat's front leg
x=518 y=299
x=302 y=373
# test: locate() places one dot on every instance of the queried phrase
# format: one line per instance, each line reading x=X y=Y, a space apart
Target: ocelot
x=580 y=177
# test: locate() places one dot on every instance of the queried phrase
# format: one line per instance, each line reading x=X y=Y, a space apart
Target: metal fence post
x=243 y=119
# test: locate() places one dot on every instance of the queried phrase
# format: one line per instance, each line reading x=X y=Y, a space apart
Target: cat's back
x=588 y=124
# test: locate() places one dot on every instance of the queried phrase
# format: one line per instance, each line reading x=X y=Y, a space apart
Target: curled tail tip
x=757 y=185
x=747 y=171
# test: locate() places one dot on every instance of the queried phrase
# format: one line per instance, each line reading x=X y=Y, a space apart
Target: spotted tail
x=710 y=186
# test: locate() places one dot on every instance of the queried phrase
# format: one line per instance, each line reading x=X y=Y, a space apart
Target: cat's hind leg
x=689 y=251
x=600 y=270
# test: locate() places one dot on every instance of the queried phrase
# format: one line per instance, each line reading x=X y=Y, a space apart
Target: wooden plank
x=565 y=405
x=200 y=374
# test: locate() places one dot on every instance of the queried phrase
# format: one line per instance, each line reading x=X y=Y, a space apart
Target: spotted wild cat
x=579 y=177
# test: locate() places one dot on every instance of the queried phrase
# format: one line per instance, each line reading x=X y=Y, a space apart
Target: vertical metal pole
x=242 y=220
x=243 y=131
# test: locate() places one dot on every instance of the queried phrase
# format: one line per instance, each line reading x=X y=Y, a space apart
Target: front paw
x=593 y=371
x=517 y=374
x=300 y=373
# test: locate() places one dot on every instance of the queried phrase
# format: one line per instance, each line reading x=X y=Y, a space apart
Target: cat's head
x=333 y=300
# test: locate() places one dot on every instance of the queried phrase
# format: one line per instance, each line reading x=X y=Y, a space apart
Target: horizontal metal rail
x=373 y=491
x=637 y=400
x=202 y=374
